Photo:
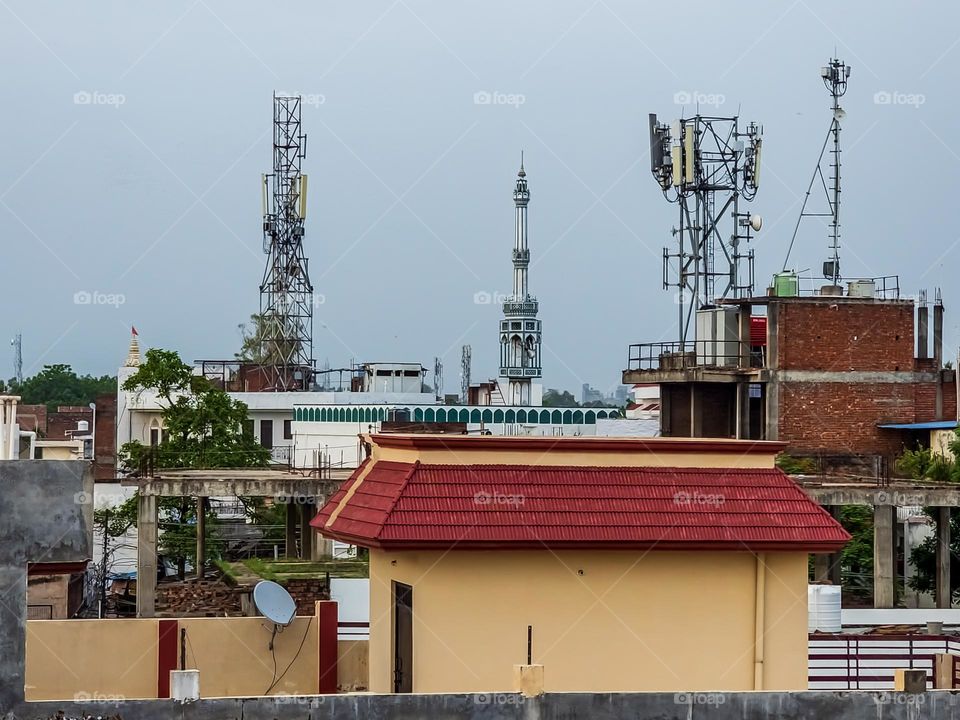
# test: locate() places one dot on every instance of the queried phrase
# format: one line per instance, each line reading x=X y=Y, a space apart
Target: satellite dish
x=274 y=603
x=756 y=222
x=840 y=113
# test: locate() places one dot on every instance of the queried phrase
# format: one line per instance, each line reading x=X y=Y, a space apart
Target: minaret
x=520 y=328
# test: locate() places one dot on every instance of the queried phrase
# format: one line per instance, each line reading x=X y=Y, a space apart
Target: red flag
x=134 y=330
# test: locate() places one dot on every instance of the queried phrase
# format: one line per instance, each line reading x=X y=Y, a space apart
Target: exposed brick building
x=822 y=373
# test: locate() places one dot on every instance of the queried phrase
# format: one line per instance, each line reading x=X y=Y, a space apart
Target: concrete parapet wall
x=855 y=705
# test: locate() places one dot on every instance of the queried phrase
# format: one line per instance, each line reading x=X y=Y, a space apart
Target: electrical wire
x=299 y=649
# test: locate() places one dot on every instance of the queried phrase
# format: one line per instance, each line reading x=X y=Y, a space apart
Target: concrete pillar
x=923 y=333
x=201 y=536
x=836 y=577
x=696 y=412
x=291 y=530
x=826 y=567
x=306 y=532
x=883 y=548
x=821 y=567
x=743 y=411
x=146 y=555
x=943 y=558
x=743 y=330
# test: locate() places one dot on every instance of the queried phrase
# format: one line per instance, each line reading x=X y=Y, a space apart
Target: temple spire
x=133 y=353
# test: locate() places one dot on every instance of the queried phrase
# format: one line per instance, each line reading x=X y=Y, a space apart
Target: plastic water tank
x=823 y=608
x=828 y=615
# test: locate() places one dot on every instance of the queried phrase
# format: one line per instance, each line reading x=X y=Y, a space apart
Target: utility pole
x=103 y=563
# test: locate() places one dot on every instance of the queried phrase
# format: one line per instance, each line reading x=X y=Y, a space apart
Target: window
x=266 y=433
x=248 y=427
x=288 y=430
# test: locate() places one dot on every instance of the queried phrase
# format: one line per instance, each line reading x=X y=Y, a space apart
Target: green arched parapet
x=544 y=417
x=601 y=414
x=428 y=415
x=567 y=417
x=441 y=415
x=418 y=415
x=487 y=416
x=475 y=416
x=521 y=416
x=498 y=416
x=557 y=417
x=510 y=417
x=578 y=417
x=464 y=416
x=591 y=418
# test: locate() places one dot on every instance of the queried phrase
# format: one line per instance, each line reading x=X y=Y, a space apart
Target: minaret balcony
x=521 y=258
x=525 y=307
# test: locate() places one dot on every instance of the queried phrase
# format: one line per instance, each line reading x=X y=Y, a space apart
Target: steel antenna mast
x=834 y=75
x=286 y=294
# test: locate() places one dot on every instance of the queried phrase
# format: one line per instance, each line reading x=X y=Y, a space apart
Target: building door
x=266 y=433
x=402 y=638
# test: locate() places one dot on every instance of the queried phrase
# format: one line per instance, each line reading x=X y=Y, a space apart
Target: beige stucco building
x=616 y=564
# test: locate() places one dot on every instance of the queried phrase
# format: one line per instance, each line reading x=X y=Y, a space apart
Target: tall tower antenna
x=17 y=343
x=286 y=294
x=834 y=75
x=465 y=359
x=707 y=165
x=520 y=330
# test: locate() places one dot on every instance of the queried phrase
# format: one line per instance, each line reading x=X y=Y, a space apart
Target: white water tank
x=823 y=607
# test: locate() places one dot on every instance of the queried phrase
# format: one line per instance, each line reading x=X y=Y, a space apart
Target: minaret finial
x=522 y=172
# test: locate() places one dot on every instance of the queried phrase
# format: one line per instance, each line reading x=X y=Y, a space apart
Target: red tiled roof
x=406 y=505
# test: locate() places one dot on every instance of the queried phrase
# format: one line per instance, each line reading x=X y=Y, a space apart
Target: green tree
x=557 y=398
x=58 y=385
x=924 y=558
x=262 y=343
x=204 y=425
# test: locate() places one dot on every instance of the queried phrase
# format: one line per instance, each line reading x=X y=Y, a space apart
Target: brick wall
x=841 y=418
x=32 y=418
x=65 y=420
x=837 y=334
x=105 y=439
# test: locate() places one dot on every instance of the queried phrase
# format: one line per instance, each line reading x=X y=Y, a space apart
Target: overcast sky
x=133 y=136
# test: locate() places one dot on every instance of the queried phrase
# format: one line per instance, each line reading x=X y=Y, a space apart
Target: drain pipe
x=760 y=612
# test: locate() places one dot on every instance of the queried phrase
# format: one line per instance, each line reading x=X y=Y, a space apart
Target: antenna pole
x=837 y=78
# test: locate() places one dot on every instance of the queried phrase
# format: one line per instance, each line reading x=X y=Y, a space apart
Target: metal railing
x=695 y=354
x=868 y=662
x=886 y=287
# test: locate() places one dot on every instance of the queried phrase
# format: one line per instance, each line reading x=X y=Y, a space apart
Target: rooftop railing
x=727 y=354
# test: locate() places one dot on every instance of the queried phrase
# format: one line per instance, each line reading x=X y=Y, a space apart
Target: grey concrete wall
x=46 y=515
x=858 y=705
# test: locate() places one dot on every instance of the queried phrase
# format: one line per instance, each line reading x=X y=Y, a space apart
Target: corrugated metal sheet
x=409 y=504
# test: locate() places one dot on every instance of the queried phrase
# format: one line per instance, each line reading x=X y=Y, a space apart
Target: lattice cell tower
x=706 y=166
x=286 y=294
